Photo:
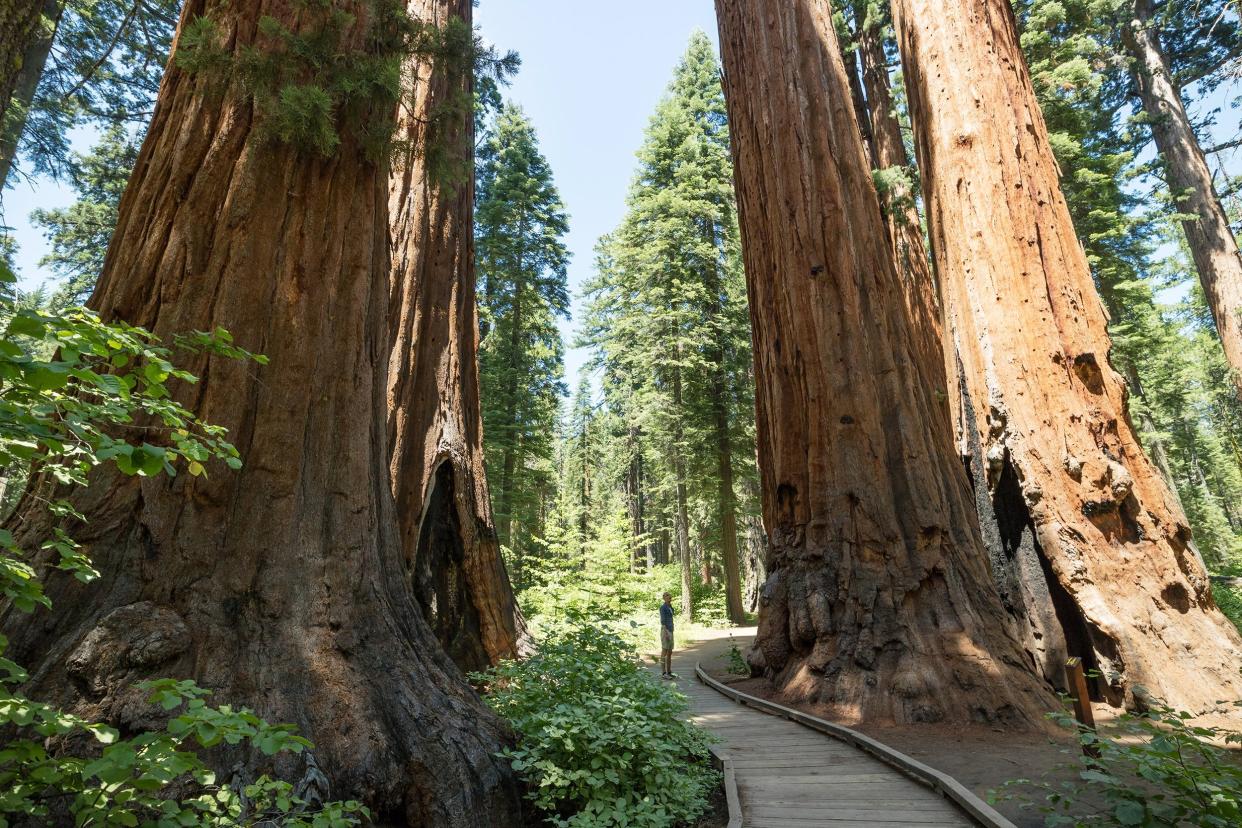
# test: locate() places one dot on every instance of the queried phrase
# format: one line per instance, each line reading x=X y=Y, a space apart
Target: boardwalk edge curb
x=940 y=782
x=725 y=765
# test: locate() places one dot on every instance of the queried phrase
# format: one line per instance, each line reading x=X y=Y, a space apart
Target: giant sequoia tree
x=283 y=585
x=878 y=599
x=1092 y=552
x=434 y=424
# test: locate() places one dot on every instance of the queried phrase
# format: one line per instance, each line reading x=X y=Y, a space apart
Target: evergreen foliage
x=667 y=322
x=520 y=225
x=326 y=79
x=104 y=70
x=80 y=233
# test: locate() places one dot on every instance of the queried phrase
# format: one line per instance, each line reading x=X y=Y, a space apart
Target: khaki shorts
x=666 y=639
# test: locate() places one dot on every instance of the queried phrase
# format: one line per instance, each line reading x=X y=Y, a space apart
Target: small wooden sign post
x=1076 y=680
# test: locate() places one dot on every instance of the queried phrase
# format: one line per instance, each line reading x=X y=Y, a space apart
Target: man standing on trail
x=666 y=636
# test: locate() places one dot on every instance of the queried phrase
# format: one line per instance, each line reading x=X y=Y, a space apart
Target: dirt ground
x=717 y=815
x=981 y=758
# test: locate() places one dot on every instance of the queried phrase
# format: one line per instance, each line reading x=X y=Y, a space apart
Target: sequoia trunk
x=1092 y=549
x=281 y=586
x=905 y=229
x=878 y=602
x=434 y=421
x=26 y=36
x=1208 y=234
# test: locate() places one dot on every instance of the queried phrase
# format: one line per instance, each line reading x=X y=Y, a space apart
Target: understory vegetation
x=1155 y=768
x=600 y=740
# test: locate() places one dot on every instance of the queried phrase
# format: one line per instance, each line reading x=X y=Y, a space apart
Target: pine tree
x=1161 y=72
x=96 y=61
x=522 y=291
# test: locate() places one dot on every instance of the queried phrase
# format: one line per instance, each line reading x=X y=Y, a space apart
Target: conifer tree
x=1159 y=85
x=97 y=61
x=667 y=320
x=522 y=291
x=435 y=433
x=79 y=234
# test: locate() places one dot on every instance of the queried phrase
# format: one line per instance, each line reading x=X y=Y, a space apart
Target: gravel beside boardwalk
x=789 y=776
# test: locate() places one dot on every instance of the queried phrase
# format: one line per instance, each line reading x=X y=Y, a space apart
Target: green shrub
x=737 y=661
x=600 y=741
x=1152 y=769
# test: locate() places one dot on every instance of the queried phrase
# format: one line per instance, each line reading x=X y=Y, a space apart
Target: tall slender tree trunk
x=1208 y=234
x=756 y=562
x=281 y=586
x=681 y=519
x=878 y=600
x=634 y=500
x=853 y=71
x=27 y=30
x=509 y=462
x=1087 y=527
x=728 y=518
x=726 y=498
x=584 y=490
x=434 y=422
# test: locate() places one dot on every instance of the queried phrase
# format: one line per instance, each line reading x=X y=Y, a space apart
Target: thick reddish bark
x=1208 y=234
x=905 y=228
x=1092 y=549
x=878 y=601
x=434 y=422
x=281 y=586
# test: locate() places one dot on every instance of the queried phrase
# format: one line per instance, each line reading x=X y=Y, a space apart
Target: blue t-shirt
x=666 y=616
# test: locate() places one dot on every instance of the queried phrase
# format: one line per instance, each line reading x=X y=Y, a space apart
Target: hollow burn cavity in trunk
x=1021 y=569
x=439 y=577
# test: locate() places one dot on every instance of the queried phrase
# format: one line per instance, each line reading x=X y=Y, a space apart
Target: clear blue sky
x=592 y=73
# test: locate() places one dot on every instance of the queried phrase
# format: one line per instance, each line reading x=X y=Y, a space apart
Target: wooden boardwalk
x=790 y=776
